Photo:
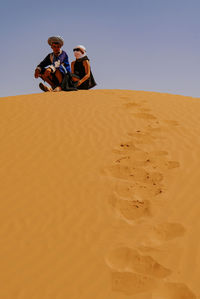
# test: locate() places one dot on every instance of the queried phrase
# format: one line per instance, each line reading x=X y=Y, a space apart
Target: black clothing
x=79 y=70
x=68 y=84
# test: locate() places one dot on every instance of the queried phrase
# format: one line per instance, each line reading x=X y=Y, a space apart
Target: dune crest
x=99 y=195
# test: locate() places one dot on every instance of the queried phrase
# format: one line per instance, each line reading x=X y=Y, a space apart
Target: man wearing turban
x=55 y=65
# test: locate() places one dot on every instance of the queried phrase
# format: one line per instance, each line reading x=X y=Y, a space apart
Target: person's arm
x=42 y=64
x=86 y=65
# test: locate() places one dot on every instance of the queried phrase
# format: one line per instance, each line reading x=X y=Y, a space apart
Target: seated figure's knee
x=47 y=74
x=43 y=76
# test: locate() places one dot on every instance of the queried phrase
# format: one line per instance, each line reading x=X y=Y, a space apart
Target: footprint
x=132 y=283
x=158 y=159
x=172 y=290
x=142 y=138
x=168 y=231
x=139 y=155
x=138 y=158
x=144 y=109
x=160 y=129
x=136 y=174
x=147 y=158
x=131 y=105
x=172 y=164
x=125 y=189
x=125 y=147
x=163 y=164
x=124 y=97
x=145 y=116
x=171 y=122
x=158 y=153
x=127 y=172
x=130 y=161
x=153 y=177
x=131 y=209
x=128 y=189
x=128 y=259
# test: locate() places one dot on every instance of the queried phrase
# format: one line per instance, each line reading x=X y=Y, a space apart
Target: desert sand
x=100 y=196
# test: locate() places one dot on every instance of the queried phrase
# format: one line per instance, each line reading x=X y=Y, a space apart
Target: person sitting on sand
x=54 y=66
x=81 y=69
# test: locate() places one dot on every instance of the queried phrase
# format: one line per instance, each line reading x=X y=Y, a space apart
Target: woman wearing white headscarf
x=81 y=69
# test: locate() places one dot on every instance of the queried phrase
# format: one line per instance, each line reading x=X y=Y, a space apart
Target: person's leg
x=45 y=88
x=59 y=77
x=54 y=80
x=48 y=79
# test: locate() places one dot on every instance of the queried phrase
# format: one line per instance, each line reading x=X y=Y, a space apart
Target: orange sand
x=99 y=196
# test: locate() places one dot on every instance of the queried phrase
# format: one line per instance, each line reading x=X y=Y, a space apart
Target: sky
x=151 y=45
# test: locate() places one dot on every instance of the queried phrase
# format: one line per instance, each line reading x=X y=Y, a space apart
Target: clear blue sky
x=151 y=45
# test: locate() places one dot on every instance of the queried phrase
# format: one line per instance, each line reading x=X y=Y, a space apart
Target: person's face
x=78 y=53
x=56 y=48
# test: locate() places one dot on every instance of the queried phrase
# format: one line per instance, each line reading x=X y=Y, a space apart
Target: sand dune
x=99 y=196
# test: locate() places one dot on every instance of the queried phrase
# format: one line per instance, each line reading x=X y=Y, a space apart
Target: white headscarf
x=83 y=49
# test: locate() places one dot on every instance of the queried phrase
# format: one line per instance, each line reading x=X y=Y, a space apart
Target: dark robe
x=79 y=71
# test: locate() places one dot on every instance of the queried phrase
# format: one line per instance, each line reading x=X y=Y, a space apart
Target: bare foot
x=58 y=88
